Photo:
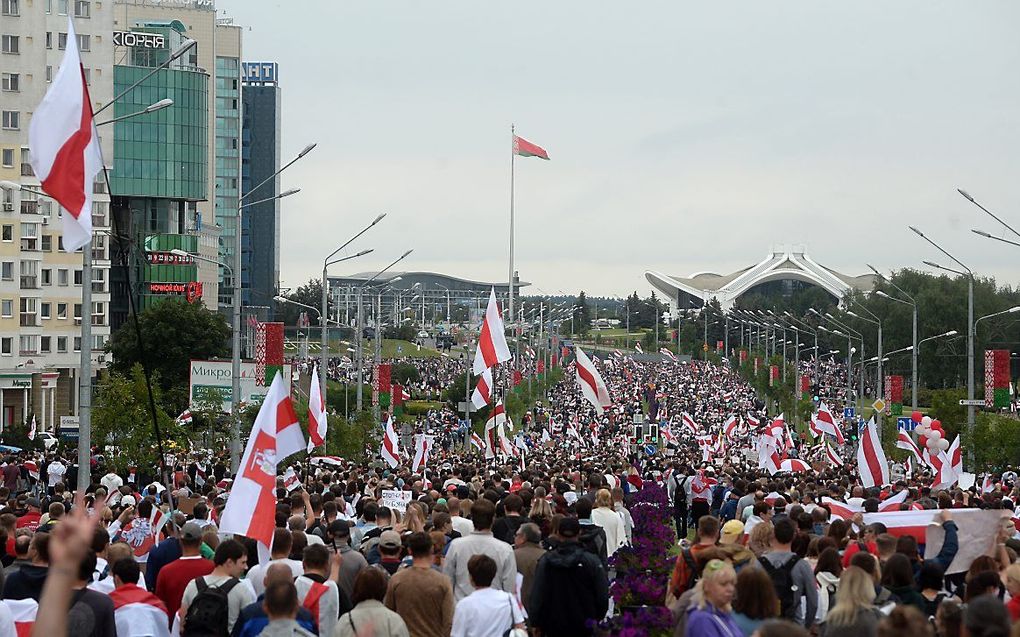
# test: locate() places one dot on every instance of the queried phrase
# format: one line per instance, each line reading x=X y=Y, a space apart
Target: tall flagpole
x=510 y=279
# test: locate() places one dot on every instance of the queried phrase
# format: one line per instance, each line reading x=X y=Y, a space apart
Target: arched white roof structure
x=780 y=265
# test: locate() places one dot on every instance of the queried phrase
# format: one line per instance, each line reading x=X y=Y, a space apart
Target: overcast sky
x=684 y=136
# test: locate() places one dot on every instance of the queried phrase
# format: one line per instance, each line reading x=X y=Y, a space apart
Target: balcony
x=98 y=287
x=29 y=283
x=26 y=170
x=29 y=320
x=98 y=320
x=28 y=352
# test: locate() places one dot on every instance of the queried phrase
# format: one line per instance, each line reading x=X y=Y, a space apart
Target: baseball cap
x=128 y=500
x=389 y=539
x=570 y=527
x=731 y=531
x=191 y=531
x=33 y=502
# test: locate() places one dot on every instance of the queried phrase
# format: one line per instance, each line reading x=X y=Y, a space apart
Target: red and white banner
x=729 y=427
x=824 y=422
x=482 y=394
x=871 y=462
x=492 y=347
x=893 y=502
x=688 y=422
x=139 y=612
x=977 y=531
x=496 y=419
x=422 y=449
x=64 y=145
x=390 y=450
x=832 y=456
x=316 y=413
x=276 y=434
x=903 y=441
x=593 y=388
x=794 y=466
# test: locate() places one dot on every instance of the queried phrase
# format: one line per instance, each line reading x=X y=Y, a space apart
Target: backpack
x=207 y=614
x=680 y=493
x=692 y=569
x=782 y=581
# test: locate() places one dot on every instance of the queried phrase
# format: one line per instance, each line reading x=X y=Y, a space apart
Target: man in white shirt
x=55 y=471
x=112 y=481
x=480 y=542
x=486 y=612
x=282 y=543
x=231 y=559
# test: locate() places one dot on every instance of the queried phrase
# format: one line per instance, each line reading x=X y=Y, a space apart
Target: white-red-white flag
x=893 y=502
x=824 y=422
x=251 y=506
x=688 y=422
x=871 y=462
x=492 y=347
x=794 y=465
x=31 y=430
x=943 y=469
x=593 y=388
x=422 y=448
x=729 y=427
x=903 y=441
x=291 y=480
x=64 y=145
x=23 y=612
x=831 y=455
x=316 y=413
x=840 y=509
x=390 y=450
x=496 y=419
x=477 y=442
x=482 y=394
x=138 y=612
x=955 y=456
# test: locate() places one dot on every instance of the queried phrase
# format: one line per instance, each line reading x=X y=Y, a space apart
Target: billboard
x=214 y=377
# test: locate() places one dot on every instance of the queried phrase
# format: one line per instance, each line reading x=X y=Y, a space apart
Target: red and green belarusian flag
x=524 y=148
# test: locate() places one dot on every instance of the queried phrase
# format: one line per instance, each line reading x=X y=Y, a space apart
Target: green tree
x=174 y=332
x=308 y=294
x=404 y=373
x=582 y=314
x=121 y=418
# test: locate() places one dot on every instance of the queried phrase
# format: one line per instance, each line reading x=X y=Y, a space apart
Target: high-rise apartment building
x=260 y=159
x=40 y=284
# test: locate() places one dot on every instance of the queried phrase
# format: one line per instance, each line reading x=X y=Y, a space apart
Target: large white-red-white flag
x=316 y=413
x=496 y=419
x=824 y=422
x=593 y=388
x=955 y=456
x=482 y=394
x=276 y=434
x=903 y=441
x=831 y=455
x=64 y=146
x=390 y=450
x=492 y=347
x=422 y=449
x=871 y=462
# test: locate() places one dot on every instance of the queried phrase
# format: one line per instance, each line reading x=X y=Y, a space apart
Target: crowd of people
x=518 y=544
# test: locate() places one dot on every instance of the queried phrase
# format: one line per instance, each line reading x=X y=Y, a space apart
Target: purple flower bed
x=643 y=570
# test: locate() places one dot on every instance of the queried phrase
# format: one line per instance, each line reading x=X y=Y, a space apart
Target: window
x=10 y=82
x=49 y=39
x=61 y=41
x=82 y=8
x=99 y=212
x=98 y=313
x=62 y=277
x=61 y=343
x=77 y=343
x=87 y=72
x=62 y=7
x=26 y=171
x=7 y=308
x=47 y=276
x=29 y=234
x=7 y=271
x=77 y=277
x=28 y=312
x=49 y=74
x=98 y=342
x=44 y=310
x=77 y=311
x=7 y=233
x=9 y=7
x=8 y=158
x=44 y=344
x=6 y=344
x=98 y=280
x=11 y=120
x=28 y=345
x=47 y=243
x=61 y=310
x=9 y=44
x=84 y=42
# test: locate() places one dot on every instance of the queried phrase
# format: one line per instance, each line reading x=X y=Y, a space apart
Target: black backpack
x=207 y=613
x=782 y=581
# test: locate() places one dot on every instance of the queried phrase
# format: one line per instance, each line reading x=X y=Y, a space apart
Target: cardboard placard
x=397 y=500
x=187 y=505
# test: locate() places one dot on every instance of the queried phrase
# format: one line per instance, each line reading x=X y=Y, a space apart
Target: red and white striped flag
x=832 y=456
x=840 y=509
x=752 y=422
x=824 y=422
x=157 y=520
x=908 y=468
x=729 y=427
x=903 y=441
x=422 y=448
x=32 y=468
x=31 y=431
x=482 y=394
x=64 y=145
x=943 y=468
x=290 y=479
x=893 y=502
x=185 y=418
x=871 y=462
x=139 y=612
x=593 y=388
x=492 y=347
x=794 y=465
x=987 y=485
x=251 y=506
x=477 y=442
x=23 y=611
x=496 y=419
x=637 y=348
x=688 y=422
x=390 y=450
x=955 y=456
x=316 y=413
x=665 y=351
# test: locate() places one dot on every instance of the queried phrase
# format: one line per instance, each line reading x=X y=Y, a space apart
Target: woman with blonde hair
x=760 y=540
x=414 y=519
x=710 y=614
x=541 y=512
x=605 y=516
x=854 y=614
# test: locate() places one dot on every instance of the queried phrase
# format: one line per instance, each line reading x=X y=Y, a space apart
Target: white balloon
x=935 y=434
x=932 y=444
x=921 y=430
x=926 y=421
x=943 y=444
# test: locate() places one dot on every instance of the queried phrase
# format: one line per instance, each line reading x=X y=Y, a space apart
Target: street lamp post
x=970 y=334
x=913 y=304
x=361 y=324
x=879 y=385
